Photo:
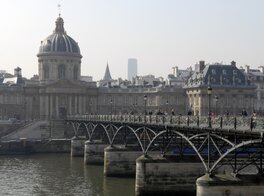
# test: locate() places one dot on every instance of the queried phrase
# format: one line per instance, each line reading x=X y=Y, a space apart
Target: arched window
x=46 y=72
x=61 y=71
x=75 y=72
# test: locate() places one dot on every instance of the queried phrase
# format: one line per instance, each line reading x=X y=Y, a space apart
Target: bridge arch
x=138 y=133
x=209 y=165
x=185 y=138
x=235 y=147
x=108 y=129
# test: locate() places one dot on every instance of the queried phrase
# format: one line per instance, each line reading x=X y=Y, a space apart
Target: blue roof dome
x=59 y=41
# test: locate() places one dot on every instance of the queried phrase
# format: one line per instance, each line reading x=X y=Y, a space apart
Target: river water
x=58 y=174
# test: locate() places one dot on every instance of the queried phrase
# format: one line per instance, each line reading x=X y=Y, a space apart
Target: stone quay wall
x=23 y=146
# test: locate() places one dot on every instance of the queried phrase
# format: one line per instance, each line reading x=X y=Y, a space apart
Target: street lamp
x=167 y=109
x=216 y=100
x=111 y=103
x=90 y=107
x=209 y=93
x=145 y=102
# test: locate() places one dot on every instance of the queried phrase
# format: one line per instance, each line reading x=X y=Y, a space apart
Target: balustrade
x=217 y=122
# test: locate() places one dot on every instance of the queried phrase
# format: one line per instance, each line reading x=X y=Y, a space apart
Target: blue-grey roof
x=219 y=75
x=59 y=41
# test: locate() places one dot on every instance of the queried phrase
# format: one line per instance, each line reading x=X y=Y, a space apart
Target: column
x=51 y=106
x=57 y=106
x=76 y=104
x=70 y=105
x=84 y=105
x=80 y=104
x=42 y=107
x=47 y=106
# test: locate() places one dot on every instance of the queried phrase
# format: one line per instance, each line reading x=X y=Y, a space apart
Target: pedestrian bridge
x=215 y=141
x=175 y=155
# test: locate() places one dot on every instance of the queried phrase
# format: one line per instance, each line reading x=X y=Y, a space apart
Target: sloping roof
x=10 y=80
x=219 y=75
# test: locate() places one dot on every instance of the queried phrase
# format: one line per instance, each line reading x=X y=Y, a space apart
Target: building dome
x=59 y=41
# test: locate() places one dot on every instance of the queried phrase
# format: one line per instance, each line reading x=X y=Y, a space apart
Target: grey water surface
x=58 y=174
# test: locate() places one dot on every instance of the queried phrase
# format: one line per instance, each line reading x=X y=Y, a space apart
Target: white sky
x=159 y=33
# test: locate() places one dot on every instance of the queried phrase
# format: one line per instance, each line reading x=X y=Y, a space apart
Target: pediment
x=64 y=86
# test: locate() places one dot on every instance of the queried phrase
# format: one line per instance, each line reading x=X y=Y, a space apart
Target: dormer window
x=235 y=72
x=213 y=71
x=224 y=71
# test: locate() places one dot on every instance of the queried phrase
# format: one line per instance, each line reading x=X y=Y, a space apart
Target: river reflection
x=58 y=174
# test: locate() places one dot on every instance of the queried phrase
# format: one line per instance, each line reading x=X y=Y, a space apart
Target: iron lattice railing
x=216 y=122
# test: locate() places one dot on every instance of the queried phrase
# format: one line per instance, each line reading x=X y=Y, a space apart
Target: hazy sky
x=159 y=33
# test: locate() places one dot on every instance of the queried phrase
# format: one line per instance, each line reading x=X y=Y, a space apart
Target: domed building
x=58 y=91
x=61 y=92
x=59 y=56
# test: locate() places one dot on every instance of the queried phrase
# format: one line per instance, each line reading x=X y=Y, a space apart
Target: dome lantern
x=59 y=25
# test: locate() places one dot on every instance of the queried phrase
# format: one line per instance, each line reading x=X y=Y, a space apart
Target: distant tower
x=131 y=68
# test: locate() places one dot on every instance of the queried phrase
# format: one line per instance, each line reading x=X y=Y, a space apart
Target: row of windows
x=224 y=72
x=139 y=100
x=61 y=72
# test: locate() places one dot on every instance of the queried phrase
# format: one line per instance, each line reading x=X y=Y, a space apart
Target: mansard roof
x=218 y=75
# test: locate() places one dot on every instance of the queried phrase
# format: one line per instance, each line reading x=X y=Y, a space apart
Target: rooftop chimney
x=246 y=68
x=233 y=63
x=201 y=66
x=17 y=72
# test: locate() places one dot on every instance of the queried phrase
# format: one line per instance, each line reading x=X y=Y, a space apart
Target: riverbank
x=24 y=146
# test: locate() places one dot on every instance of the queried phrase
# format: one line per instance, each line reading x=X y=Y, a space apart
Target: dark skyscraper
x=131 y=68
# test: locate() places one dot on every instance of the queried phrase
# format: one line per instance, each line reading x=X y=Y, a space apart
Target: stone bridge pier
x=94 y=152
x=157 y=175
x=120 y=161
x=228 y=185
x=77 y=146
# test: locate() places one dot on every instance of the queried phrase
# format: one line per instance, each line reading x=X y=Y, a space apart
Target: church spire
x=107 y=75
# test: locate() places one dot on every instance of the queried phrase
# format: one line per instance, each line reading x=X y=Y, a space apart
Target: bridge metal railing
x=217 y=122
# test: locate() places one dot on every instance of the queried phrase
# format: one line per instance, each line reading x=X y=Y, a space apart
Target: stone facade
x=256 y=76
x=232 y=92
x=132 y=100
